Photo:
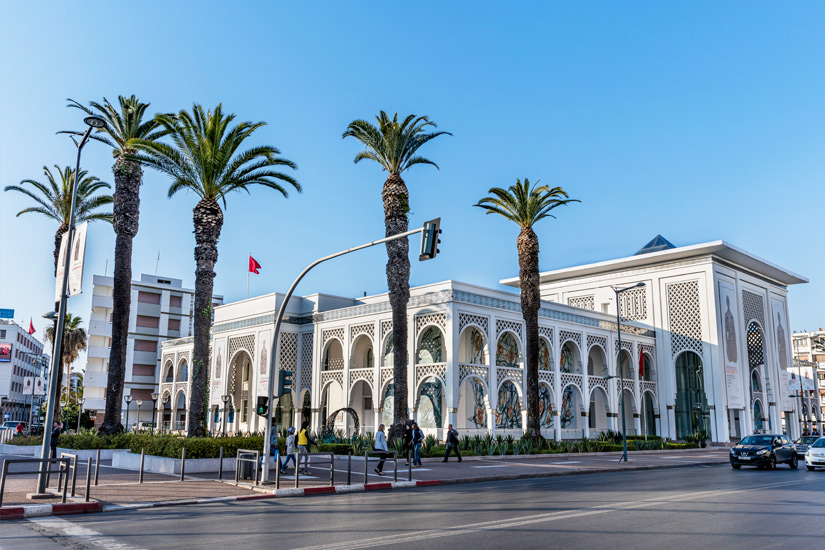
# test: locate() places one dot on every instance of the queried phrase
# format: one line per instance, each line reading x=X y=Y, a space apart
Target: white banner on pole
x=39 y=386
x=28 y=385
x=77 y=260
x=61 y=261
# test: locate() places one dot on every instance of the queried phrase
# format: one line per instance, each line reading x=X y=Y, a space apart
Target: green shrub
x=25 y=440
x=337 y=448
x=686 y=445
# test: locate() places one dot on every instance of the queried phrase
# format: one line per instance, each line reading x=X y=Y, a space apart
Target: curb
x=39 y=510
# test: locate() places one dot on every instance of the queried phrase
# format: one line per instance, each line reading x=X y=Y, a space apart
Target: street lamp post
x=80 y=402
x=621 y=371
x=139 y=403
x=128 y=400
x=154 y=404
x=93 y=122
x=225 y=399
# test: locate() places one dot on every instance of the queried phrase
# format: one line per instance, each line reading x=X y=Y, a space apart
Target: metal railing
x=382 y=455
x=247 y=455
x=73 y=466
x=63 y=466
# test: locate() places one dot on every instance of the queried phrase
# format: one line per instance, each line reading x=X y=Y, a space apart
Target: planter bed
x=164 y=465
x=20 y=450
x=84 y=454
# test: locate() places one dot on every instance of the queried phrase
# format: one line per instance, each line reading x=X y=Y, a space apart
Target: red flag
x=641 y=365
x=31 y=327
x=254 y=266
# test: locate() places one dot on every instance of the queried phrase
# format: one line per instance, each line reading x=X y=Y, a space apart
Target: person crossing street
x=452 y=443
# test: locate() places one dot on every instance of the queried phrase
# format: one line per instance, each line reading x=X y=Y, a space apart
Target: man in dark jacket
x=55 y=438
x=452 y=443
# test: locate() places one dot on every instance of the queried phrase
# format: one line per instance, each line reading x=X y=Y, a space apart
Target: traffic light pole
x=279 y=318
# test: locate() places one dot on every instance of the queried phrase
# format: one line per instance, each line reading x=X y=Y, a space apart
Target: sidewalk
x=119 y=489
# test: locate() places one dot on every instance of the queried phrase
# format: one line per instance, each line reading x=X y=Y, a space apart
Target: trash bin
x=245 y=466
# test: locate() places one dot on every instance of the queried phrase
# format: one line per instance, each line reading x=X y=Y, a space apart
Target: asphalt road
x=695 y=507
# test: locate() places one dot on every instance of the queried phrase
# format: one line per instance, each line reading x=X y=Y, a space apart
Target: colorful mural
x=387 y=403
x=568 y=408
x=476 y=341
x=478 y=418
x=545 y=362
x=508 y=412
x=430 y=409
x=507 y=351
x=545 y=407
x=568 y=359
x=430 y=351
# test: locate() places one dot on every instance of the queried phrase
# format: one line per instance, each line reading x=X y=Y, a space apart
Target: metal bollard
x=409 y=465
x=97 y=466
x=296 y=476
x=182 y=462
x=88 y=476
x=220 y=464
x=142 y=455
x=278 y=477
x=366 y=465
x=332 y=470
x=74 y=475
x=65 y=484
x=395 y=463
x=349 y=467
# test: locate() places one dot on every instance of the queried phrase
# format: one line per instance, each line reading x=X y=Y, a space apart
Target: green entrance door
x=691 y=403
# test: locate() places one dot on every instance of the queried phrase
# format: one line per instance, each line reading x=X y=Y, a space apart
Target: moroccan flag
x=254 y=266
x=641 y=365
x=31 y=327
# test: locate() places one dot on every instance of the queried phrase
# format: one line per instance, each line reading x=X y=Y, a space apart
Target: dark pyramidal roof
x=658 y=243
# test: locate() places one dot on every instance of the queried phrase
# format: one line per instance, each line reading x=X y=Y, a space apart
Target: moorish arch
x=430 y=346
x=597 y=362
x=363 y=355
x=508 y=350
x=361 y=401
x=599 y=409
x=650 y=409
x=333 y=399
x=431 y=402
x=183 y=371
x=546 y=407
x=571 y=408
x=545 y=354
x=473 y=403
x=509 y=405
x=473 y=348
x=333 y=354
x=570 y=358
x=692 y=409
x=169 y=372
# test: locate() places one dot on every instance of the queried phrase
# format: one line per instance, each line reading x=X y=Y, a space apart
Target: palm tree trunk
x=528 y=260
x=396 y=206
x=126 y=210
x=58 y=237
x=208 y=220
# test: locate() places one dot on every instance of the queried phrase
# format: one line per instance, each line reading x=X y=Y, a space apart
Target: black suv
x=764 y=450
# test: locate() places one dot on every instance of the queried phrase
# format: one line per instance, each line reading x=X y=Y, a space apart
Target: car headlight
x=808 y=453
x=762 y=452
x=732 y=452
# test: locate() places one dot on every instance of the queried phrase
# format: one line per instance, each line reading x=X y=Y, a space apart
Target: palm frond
x=523 y=204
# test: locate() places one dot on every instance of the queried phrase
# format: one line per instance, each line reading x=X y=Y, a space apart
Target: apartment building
x=21 y=355
x=161 y=309
x=809 y=362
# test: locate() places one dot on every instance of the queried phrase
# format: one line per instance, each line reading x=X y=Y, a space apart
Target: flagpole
x=247 y=276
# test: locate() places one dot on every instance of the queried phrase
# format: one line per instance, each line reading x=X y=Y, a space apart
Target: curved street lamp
x=621 y=370
x=128 y=400
x=155 y=396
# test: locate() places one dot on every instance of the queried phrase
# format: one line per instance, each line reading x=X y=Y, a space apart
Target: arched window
x=507 y=352
x=692 y=410
x=569 y=361
x=545 y=360
x=508 y=411
x=370 y=360
x=431 y=347
x=388 y=353
x=184 y=372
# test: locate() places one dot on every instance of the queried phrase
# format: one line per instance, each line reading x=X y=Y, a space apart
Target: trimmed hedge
x=196 y=447
x=337 y=448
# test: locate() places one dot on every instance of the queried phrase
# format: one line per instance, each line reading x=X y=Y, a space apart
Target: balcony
x=100 y=328
x=102 y=301
x=99 y=352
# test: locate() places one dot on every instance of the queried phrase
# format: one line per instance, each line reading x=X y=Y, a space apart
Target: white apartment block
x=161 y=309
x=809 y=364
x=23 y=356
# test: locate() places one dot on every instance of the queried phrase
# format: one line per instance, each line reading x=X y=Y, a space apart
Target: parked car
x=802 y=445
x=815 y=455
x=10 y=424
x=764 y=451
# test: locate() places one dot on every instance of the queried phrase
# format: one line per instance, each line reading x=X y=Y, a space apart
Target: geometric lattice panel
x=583 y=302
x=513 y=326
x=368 y=329
x=753 y=307
x=288 y=352
x=547 y=332
x=633 y=304
x=465 y=319
x=684 y=315
x=242 y=342
x=565 y=335
x=332 y=333
x=756 y=346
x=439 y=319
x=306 y=360
x=386 y=327
x=593 y=340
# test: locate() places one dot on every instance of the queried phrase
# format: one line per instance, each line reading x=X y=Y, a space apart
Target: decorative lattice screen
x=366 y=328
x=753 y=307
x=480 y=321
x=242 y=342
x=438 y=319
x=633 y=304
x=565 y=335
x=306 y=361
x=684 y=314
x=288 y=351
x=583 y=302
x=516 y=327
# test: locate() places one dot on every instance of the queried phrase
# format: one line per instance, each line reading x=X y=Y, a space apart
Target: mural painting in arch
x=568 y=362
x=431 y=347
x=430 y=409
x=387 y=404
x=388 y=351
x=508 y=411
x=757 y=417
x=474 y=346
x=568 y=408
x=507 y=351
x=472 y=404
x=545 y=407
x=545 y=361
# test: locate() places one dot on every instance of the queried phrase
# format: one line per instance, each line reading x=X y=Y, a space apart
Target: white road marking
x=492 y=466
x=568 y=462
x=82 y=534
x=512 y=523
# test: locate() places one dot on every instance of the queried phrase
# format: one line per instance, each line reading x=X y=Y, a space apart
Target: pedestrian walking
x=417 y=441
x=303 y=443
x=408 y=444
x=19 y=429
x=54 y=439
x=380 y=445
x=452 y=443
x=273 y=445
x=290 y=450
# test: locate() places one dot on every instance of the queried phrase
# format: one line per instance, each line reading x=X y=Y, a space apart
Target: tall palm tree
x=394 y=146
x=54 y=200
x=74 y=341
x=124 y=125
x=204 y=158
x=526 y=205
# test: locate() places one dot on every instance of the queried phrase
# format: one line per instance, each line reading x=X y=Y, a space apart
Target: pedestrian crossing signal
x=284 y=382
x=263 y=406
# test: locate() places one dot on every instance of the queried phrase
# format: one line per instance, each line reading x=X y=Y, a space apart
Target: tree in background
x=74 y=341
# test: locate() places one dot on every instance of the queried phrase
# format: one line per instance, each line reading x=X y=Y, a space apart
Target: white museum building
x=704 y=345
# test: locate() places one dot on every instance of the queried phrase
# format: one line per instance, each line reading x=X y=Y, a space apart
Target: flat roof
x=720 y=249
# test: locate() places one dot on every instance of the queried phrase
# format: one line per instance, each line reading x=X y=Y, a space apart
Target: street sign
x=28 y=385
x=6 y=314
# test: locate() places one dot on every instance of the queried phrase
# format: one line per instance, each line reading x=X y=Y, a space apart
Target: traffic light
x=430 y=240
x=284 y=382
x=263 y=406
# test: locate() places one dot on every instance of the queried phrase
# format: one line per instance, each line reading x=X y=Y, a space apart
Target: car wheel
x=810 y=468
x=794 y=463
x=737 y=466
x=772 y=463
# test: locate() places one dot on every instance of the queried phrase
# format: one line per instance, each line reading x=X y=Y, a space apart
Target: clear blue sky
x=696 y=121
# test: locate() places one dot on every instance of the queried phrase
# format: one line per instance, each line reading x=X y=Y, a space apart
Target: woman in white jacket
x=380 y=445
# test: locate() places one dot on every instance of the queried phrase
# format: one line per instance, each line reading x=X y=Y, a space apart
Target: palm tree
x=124 y=125
x=526 y=205
x=74 y=341
x=394 y=146
x=204 y=159
x=54 y=200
